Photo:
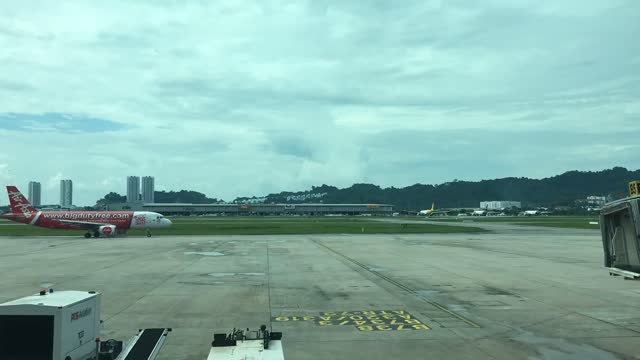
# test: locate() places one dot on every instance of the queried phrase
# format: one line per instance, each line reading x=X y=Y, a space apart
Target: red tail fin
x=19 y=204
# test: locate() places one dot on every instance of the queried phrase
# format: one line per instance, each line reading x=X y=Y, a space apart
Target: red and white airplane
x=96 y=223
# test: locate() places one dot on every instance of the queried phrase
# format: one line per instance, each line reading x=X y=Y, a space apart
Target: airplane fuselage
x=122 y=220
x=96 y=223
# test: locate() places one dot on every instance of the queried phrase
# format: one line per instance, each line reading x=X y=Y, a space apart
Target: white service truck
x=50 y=325
x=65 y=325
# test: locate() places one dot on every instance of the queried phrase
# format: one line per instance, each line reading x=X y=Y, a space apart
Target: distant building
x=56 y=207
x=34 y=193
x=563 y=208
x=596 y=200
x=259 y=209
x=499 y=205
x=66 y=192
x=133 y=189
x=148 y=189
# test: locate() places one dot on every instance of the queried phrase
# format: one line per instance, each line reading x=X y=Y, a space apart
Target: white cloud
x=4 y=172
x=242 y=98
x=53 y=182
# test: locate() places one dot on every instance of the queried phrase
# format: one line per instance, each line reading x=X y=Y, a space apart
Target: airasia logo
x=16 y=196
x=19 y=203
x=107 y=230
x=25 y=209
x=80 y=314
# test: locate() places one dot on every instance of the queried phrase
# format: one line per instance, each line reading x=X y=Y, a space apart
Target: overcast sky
x=236 y=98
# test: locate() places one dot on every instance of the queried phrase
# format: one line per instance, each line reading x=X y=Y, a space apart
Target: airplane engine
x=107 y=230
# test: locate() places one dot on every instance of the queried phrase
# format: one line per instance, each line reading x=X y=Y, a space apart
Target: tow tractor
x=65 y=325
x=620 y=226
x=238 y=344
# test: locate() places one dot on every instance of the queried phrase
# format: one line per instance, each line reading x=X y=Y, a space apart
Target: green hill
x=553 y=191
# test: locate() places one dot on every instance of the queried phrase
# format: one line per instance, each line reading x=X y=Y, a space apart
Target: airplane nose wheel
x=148 y=233
x=87 y=235
x=96 y=234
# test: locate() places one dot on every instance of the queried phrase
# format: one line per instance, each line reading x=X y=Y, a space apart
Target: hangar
x=259 y=209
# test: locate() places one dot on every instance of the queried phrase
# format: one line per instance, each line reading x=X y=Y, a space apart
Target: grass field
x=572 y=222
x=261 y=226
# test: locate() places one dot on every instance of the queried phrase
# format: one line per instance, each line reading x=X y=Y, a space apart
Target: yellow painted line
x=398 y=284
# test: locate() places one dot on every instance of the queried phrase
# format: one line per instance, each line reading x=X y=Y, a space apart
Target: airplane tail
x=20 y=206
x=433 y=206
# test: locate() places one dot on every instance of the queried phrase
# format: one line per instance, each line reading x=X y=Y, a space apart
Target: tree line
x=560 y=190
x=182 y=196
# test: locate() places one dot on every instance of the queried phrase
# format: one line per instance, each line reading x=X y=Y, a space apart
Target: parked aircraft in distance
x=432 y=211
x=96 y=223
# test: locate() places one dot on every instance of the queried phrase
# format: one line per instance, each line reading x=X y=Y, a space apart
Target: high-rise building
x=133 y=189
x=148 y=188
x=34 y=193
x=66 y=192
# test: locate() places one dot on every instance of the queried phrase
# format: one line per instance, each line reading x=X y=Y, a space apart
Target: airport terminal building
x=500 y=205
x=259 y=209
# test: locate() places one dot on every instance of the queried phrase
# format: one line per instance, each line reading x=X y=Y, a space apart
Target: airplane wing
x=82 y=224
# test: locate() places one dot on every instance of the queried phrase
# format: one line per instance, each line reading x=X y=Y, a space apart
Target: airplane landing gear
x=148 y=233
x=87 y=235
x=96 y=234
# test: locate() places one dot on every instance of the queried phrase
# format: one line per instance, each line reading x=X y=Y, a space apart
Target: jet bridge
x=620 y=226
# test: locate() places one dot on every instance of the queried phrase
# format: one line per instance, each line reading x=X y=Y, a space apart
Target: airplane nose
x=167 y=222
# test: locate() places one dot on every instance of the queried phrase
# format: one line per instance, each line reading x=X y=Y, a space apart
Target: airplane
x=96 y=223
x=432 y=211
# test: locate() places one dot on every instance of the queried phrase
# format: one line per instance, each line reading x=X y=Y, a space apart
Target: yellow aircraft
x=431 y=212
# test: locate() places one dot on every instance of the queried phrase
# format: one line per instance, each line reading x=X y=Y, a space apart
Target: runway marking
x=399 y=285
x=365 y=320
x=204 y=253
x=234 y=274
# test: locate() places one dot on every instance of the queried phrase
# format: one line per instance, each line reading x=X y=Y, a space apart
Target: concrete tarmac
x=515 y=293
